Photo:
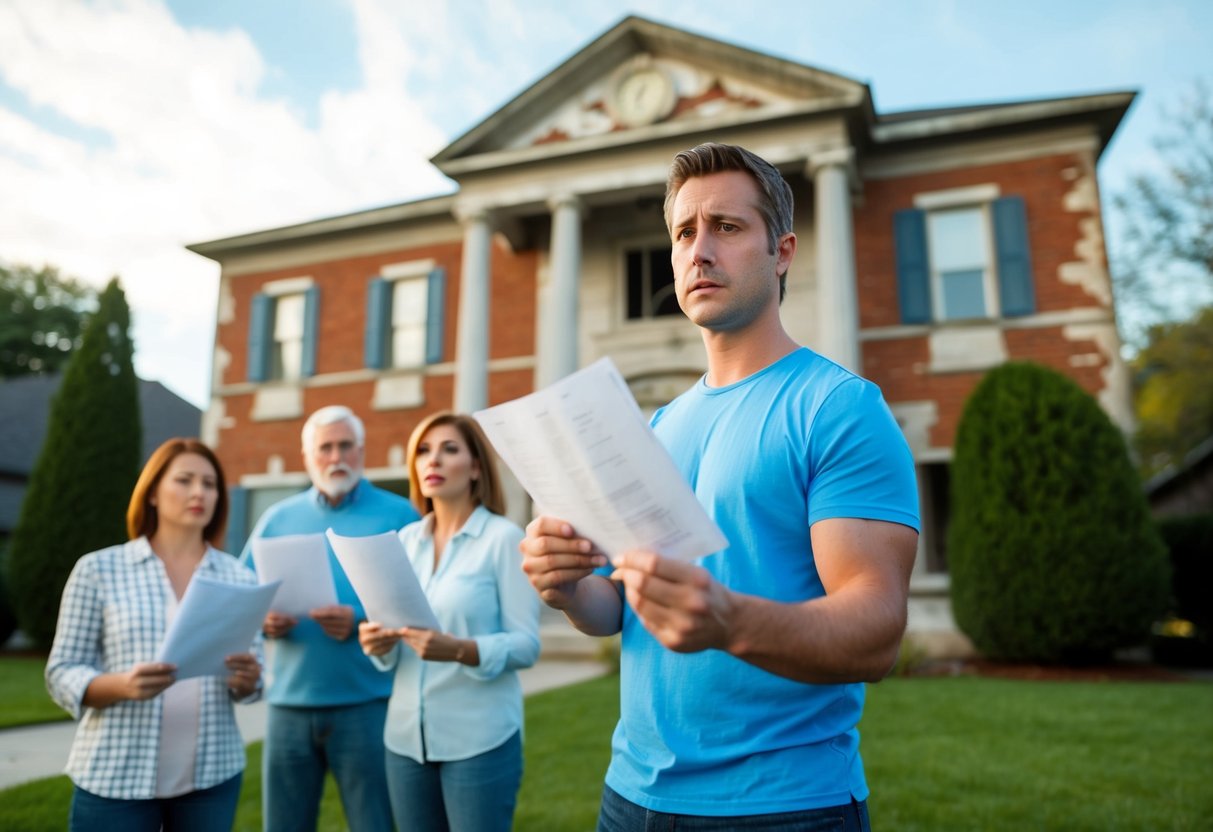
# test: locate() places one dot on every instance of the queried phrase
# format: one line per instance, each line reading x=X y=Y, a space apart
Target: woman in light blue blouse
x=454 y=724
x=151 y=752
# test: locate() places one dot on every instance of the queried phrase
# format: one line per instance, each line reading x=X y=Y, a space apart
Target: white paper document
x=380 y=572
x=301 y=563
x=215 y=620
x=584 y=452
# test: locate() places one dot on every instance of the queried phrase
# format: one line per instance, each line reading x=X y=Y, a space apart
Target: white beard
x=336 y=487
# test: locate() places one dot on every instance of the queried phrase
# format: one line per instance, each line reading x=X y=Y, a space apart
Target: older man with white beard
x=327 y=702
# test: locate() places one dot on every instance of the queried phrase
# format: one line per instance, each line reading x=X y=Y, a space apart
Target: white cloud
x=173 y=144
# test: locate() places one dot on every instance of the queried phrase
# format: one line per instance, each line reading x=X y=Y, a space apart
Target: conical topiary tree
x=88 y=464
x=1052 y=553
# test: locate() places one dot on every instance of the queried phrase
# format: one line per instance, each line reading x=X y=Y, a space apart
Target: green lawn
x=974 y=753
x=942 y=754
x=23 y=694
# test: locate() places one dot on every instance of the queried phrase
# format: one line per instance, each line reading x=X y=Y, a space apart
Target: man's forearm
x=850 y=637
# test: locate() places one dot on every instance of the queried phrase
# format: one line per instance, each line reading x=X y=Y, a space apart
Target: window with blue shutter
x=260 y=337
x=435 y=319
x=964 y=262
x=378 y=323
x=1015 y=291
x=913 y=273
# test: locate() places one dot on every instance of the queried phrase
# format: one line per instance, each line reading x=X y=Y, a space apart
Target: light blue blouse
x=446 y=710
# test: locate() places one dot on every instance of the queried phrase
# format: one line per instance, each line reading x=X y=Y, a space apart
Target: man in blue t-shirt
x=327 y=702
x=742 y=677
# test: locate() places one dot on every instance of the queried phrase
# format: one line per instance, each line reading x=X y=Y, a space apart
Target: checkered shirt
x=113 y=616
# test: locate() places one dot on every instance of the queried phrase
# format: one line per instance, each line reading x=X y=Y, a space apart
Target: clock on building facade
x=642 y=95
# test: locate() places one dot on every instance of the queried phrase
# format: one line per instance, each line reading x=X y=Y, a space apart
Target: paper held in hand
x=214 y=620
x=383 y=578
x=585 y=454
x=301 y=563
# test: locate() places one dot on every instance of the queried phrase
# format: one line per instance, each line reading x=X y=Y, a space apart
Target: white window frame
x=396 y=273
x=279 y=289
x=978 y=197
x=989 y=283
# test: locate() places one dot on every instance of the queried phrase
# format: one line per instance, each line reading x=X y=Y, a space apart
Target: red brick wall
x=245 y=445
x=900 y=366
x=1053 y=231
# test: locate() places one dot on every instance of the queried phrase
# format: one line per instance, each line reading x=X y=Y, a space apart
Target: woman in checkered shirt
x=151 y=752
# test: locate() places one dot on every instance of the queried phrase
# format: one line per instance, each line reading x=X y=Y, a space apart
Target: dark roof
x=1174 y=476
x=961 y=109
x=25 y=405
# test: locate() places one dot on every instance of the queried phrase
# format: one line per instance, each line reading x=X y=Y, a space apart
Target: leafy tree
x=1163 y=264
x=1174 y=391
x=80 y=485
x=42 y=316
x=1052 y=552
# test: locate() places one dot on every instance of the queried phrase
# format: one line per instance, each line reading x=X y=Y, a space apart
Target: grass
x=941 y=754
x=23 y=693
x=975 y=753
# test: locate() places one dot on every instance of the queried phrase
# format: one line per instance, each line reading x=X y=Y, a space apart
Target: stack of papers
x=380 y=572
x=584 y=452
x=301 y=563
x=215 y=620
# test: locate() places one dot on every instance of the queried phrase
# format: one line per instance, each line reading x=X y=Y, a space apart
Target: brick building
x=933 y=246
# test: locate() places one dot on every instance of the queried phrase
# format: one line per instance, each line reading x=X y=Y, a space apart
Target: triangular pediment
x=642 y=78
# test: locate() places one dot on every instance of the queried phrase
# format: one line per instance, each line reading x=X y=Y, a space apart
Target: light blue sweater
x=309 y=669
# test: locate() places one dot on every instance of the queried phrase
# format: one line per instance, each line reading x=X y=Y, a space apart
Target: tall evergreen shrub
x=87 y=467
x=1052 y=553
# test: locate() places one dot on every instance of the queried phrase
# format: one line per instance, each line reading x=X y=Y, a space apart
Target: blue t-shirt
x=308 y=668
x=709 y=734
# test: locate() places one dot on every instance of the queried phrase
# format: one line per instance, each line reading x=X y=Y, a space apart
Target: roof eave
x=1105 y=109
x=433 y=207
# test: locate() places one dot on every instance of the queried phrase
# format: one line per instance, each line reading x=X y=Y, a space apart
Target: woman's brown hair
x=486 y=489
x=141 y=517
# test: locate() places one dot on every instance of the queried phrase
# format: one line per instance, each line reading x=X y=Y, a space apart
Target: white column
x=472 y=344
x=838 y=310
x=558 y=330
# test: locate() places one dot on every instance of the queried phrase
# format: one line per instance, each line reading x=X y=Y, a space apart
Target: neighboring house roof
x=25 y=406
x=1192 y=474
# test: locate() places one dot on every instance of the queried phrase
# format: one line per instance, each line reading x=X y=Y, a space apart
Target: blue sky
x=129 y=128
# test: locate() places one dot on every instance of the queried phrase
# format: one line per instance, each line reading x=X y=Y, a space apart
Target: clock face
x=643 y=96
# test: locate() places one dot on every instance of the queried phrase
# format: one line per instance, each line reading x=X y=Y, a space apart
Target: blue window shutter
x=311 y=325
x=260 y=337
x=378 y=322
x=237 y=519
x=435 y=316
x=1015 y=292
x=913 y=275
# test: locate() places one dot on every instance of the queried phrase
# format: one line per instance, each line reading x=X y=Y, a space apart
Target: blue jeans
x=205 y=810
x=473 y=795
x=620 y=815
x=301 y=743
